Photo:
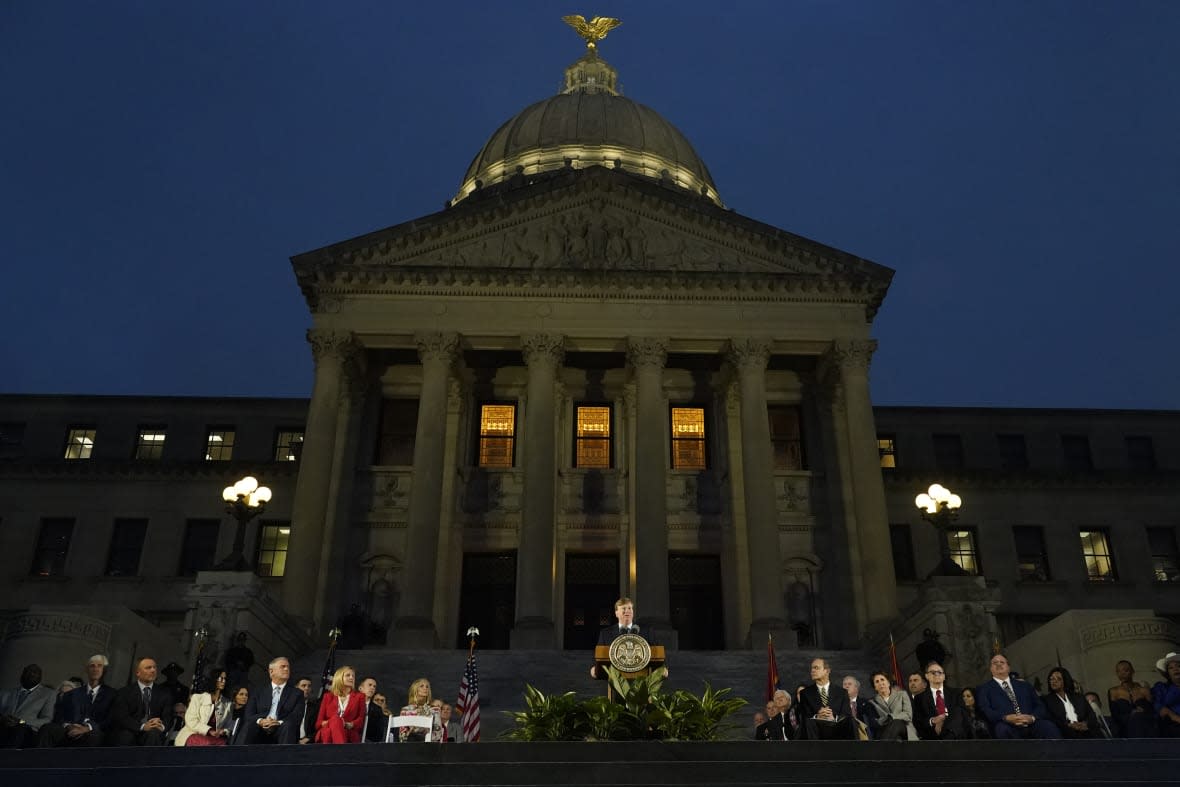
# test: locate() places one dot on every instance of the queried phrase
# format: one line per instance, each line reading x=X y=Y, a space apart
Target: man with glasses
x=939 y=714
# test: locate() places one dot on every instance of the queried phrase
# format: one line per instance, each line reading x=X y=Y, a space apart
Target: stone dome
x=589 y=124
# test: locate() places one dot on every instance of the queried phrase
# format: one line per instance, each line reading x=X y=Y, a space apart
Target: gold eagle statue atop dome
x=593 y=31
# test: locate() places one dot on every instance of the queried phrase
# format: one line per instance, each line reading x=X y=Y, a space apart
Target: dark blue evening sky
x=1015 y=161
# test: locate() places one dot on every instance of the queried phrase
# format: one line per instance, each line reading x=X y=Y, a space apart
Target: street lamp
x=940 y=507
x=243 y=501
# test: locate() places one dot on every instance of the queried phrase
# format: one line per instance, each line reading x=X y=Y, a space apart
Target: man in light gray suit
x=24 y=710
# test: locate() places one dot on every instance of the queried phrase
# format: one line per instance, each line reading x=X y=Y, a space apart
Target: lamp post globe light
x=243 y=501
x=940 y=507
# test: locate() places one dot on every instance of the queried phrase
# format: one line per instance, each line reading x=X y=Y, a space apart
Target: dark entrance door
x=487 y=598
x=695 y=597
x=591 y=588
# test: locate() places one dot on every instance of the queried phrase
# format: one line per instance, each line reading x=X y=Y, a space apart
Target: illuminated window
x=963 y=549
x=497 y=435
x=399 y=425
x=1165 y=561
x=126 y=547
x=53 y=544
x=1096 y=552
x=200 y=546
x=272 y=548
x=592 y=441
x=80 y=442
x=149 y=444
x=288 y=446
x=688 y=438
x=1031 y=559
x=219 y=445
x=786 y=437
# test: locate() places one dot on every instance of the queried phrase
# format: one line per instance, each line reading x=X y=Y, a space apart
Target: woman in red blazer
x=342 y=712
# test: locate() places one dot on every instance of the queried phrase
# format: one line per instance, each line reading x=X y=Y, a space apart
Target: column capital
x=749 y=354
x=437 y=345
x=647 y=351
x=327 y=343
x=851 y=355
x=542 y=349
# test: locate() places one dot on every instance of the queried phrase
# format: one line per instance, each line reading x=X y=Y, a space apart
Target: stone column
x=543 y=353
x=415 y=627
x=749 y=357
x=647 y=357
x=331 y=349
x=879 y=586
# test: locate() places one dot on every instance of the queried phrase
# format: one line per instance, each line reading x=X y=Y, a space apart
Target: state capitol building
x=585 y=378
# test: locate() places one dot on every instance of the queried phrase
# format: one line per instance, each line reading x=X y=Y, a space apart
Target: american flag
x=468 y=702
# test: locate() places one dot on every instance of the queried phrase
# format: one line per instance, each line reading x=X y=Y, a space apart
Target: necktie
x=147 y=702
x=939 y=703
x=20 y=700
x=823 y=696
x=365 y=726
x=1011 y=695
x=852 y=707
x=274 y=702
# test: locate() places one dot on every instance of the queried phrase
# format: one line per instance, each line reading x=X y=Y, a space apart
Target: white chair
x=397 y=722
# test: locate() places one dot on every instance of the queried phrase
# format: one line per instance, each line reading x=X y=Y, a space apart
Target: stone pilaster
x=647 y=357
x=749 y=357
x=543 y=354
x=415 y=627
x=332 y=350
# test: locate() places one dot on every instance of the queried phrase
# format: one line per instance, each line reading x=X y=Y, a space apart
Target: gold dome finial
x=593 y=31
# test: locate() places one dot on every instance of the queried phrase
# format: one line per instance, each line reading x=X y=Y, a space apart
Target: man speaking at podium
x=625 y=613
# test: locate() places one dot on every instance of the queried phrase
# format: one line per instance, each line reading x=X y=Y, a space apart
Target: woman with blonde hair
x=342 y=712
x=419 y=705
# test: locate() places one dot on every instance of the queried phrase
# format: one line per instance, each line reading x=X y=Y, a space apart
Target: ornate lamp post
x=243 y=501
x=940 y=507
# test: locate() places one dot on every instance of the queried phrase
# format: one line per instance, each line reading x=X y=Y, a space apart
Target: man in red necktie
x=938 y=711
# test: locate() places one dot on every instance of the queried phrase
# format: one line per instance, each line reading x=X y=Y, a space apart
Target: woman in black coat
x=1068 y=709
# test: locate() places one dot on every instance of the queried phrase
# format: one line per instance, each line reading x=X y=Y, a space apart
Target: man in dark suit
x=25 y=710
x=823 y=707
x=141 y=712
x=84 y=712
x=1011 y=706
x=858 y=706
x=376 y=722
x=778 y=725
x=274 y=710
x=625 y=614
x=939 y=714
x=311 y=710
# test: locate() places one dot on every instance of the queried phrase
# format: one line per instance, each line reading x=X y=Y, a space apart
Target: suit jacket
x=354 y=711
x=35 y=710
x=127 y=711
x=198 y=713
x=291 y=702
x=993 y=703
x=76 y=707
x=608 y=634
x=776 y=728
x=1056 y=710
x=863 y=707
x=925 y=709
x=454 y=732
x=896 y=707
x=809 y=703
x=378 y=724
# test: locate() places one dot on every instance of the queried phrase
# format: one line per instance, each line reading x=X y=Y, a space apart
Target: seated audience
x=418 y=704
x=1069 y=710
x=1131 y=707
x=892 y=713
x=311 y=709
x=976 y=724
x=241 y=696
x=25 y=710
x=274 y=711
x=823 y=707
x=858 y=706
x=452 y=727
x=376 y=724
x=83 y=713
x=938 y=711
x=141 y=712
x=917 y=684
x=342 y=710
x=209 y=715
x=1096 y=704
x=1165 y=696
x=1011 y=706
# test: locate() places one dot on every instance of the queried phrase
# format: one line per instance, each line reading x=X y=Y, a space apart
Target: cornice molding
x=115 y=470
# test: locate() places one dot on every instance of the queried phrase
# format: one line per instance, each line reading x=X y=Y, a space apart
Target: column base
x=533 y=634
x=413 y=634
x=784 y=637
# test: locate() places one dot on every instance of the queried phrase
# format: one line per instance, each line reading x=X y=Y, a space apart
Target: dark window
x=1013 y=452
x=288 y=445
x=688 y=438
x=1165 y=560
x=786 y=436
x=1140 y=453
x=887 y=448
x=149 y=442
x=1098 y=556
x=1076 y=450
x=219 y=444
x=497 y=435
x=80 y=442
x=399 y=425
x=272 y=548
x=1031 y=559
x=11 y=437
x=53 y=544
x=200 y=546
x=902 y=543
x=948 y=452
x=592 y=436
x=964 y=549
x=126 y=547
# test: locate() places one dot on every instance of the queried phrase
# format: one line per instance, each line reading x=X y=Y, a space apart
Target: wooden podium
x=602 y=661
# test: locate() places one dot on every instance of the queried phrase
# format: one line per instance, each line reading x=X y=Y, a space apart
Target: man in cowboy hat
x=1165 y=695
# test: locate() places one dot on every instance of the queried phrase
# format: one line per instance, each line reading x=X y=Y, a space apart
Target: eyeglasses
x=935 y=672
